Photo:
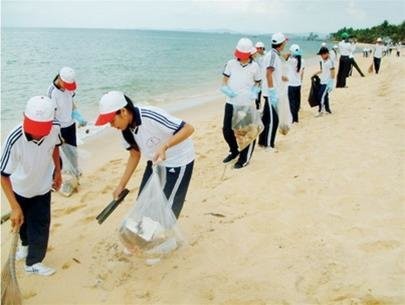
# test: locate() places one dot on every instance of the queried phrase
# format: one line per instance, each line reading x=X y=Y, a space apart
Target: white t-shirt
x=241 y=77
x=153 y=128
x=326 y=67
x=273 y=61
x=345 y=48
x=378 y=51
x=64 y=105
x=294 y=77
x=28 y=162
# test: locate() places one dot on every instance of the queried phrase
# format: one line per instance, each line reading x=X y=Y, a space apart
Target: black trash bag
x=313 y=99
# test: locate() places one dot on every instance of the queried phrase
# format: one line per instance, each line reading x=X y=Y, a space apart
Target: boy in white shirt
x=271 y=86
x=345 y=49
x=378 y=54
x=241 y=80
x=327 y=75
x=30 y=166
x=259 y=58
x=159 y=137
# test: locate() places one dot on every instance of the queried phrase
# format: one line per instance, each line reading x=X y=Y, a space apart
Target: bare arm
x=185 y=132
x=332 y=73
x=132 y=163
x=57 y=180
x=16 y=217
x=269 y=76
x=225 y=80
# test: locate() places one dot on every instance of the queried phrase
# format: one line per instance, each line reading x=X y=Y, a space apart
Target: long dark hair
x=127 y=133
x=299 y=62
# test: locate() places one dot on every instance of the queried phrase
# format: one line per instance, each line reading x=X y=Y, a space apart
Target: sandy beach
x=320 y=222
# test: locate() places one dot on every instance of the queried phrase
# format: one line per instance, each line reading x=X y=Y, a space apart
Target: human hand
x=57 y=180
x=16 y=218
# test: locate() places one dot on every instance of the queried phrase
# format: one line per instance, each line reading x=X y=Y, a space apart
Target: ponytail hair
x=299 y=62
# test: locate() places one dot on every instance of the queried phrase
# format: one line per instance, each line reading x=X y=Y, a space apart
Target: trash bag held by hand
x=313 y=99
x=150 y=229
x=284 y=112
x=246 y=125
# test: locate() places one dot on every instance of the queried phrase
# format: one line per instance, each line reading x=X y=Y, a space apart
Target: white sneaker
x=40 y=269
x=319 y=114
x=22 y=253
x=271 y=149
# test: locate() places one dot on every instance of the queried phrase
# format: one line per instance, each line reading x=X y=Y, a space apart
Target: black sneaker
x=230 y=157
x=239 y=165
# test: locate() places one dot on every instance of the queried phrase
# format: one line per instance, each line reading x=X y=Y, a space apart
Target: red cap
x=69 y=86
x=105 y=118
x=241 y=55
x=36 y=128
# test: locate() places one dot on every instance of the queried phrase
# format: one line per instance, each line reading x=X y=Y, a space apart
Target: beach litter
x=150 y=229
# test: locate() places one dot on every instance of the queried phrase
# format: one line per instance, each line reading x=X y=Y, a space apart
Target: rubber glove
x=254 y=92
x=228 y=91
x=329 y=85
x=76 y=115
x=273 y=96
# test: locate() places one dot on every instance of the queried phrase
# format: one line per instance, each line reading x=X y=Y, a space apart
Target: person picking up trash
x=62 y=91
x=30 y=166
x=241 y=81
x=327 y=76
x=157 y=136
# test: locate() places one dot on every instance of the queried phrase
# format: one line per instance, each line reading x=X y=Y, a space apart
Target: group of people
x=254 y=75
x=31 y=164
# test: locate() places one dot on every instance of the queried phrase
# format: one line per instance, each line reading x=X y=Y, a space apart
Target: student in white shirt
x=296 y=68
x=345 y=49
x=398 y=48
x=62 y=91
x=353 y=62
x=326 y=75
x=378 y=54
x=157 y=136
x=29 y=167
x=271 y=86
x=241 y=81
x=259 y=58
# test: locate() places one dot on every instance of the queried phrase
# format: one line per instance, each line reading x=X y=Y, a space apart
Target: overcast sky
x=250 y=16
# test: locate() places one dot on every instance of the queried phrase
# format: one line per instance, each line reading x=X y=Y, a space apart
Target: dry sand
x=319 y=222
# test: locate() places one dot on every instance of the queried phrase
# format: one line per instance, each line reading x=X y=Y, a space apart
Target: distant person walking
x=345 y=48
x=378 y=54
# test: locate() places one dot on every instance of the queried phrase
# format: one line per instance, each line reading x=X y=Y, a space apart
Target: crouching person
x=29 y=168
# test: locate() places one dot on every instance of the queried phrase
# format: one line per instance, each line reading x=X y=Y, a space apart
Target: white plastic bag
x=70 y=169
x=283 y=110
x=246 y=124
x=150 y=229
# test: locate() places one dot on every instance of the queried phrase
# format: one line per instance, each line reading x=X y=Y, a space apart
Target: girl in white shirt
x=295 y=76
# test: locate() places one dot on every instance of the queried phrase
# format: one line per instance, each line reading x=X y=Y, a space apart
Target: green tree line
x=385 y=30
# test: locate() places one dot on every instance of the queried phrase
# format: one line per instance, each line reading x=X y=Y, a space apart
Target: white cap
x=38 y=115
x=109 y=104
x=278 y=38
x=335 y=46
x=259 y=44
x=295 y=49
x=379 y=39
x=68 y=77
x=244 y=48
x=323 y=44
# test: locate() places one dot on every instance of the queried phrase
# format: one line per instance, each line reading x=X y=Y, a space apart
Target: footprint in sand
x=380 y=245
